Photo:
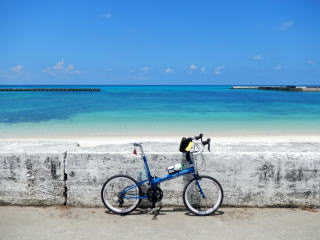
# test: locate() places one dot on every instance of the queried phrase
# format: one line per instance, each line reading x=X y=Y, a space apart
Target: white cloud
x=218 y=69
x=257 y=57
x=310 y=62
x=168 y=70
x=59 y=67
x=69 y=68
x=145 y=69
x=278 y=68
x=106 y=15
x=193 y=67
x=47 y=70
x=286 y=25
x=139 y=73
x=16 y=68
x=203 y=70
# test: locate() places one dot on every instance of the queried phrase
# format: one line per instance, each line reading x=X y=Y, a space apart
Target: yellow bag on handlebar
x=185 y=145
x=188 y=148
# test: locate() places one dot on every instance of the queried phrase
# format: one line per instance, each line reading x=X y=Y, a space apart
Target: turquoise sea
x=158 y=111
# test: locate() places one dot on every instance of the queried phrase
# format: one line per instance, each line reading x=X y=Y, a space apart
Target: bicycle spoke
x=117 y=197
x=203 y=197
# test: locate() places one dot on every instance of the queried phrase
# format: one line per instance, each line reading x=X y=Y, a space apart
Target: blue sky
x=160 y=42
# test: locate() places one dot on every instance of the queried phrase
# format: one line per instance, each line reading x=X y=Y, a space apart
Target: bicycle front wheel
x=120 y=194
x=203 y=195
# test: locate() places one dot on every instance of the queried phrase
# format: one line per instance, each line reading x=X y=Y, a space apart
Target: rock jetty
x=281 y=88
x=50 y=89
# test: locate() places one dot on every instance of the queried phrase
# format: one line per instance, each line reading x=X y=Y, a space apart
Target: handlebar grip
x=207 y=142
x=198 y=137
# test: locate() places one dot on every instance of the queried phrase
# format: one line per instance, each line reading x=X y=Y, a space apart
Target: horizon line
x=158 y=85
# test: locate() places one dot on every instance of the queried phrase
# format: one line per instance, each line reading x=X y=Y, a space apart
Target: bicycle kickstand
x=155 y=212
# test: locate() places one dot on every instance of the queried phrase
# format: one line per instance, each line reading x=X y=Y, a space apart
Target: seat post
x=141 y=149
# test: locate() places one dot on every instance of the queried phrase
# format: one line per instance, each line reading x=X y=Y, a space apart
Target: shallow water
x=158 y=110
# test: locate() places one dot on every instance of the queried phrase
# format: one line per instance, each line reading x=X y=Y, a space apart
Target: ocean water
x=158 y=111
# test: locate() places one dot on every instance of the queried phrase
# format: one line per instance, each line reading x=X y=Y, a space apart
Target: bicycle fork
x=199 y=187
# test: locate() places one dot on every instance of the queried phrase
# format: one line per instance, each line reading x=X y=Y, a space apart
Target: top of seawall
x=154 y=147
x=37 y=146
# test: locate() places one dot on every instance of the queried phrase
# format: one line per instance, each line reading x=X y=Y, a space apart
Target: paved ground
x=95 y=223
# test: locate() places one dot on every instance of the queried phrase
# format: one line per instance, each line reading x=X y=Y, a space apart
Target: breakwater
x=251 y=174
x=50 y=89
x=281 y=88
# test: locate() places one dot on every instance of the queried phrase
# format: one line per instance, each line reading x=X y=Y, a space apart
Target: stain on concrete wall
x=27 y=179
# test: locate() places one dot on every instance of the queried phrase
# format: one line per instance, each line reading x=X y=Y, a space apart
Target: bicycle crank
x=154 y=194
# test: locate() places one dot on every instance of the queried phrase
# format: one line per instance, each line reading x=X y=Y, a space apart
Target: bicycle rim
x=208 y=201
x=116 y=199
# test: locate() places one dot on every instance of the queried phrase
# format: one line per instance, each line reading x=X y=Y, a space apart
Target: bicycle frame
x=153 y=181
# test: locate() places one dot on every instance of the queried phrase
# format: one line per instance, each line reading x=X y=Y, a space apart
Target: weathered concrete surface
x=37 y=146
x=32 y=179
x=19 y=223
x=251 y=174
x=32 y=173
x=267 y=179
x=88 y=171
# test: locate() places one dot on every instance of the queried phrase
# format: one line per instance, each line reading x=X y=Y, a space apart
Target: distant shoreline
x=281 y=88
x=152 y=85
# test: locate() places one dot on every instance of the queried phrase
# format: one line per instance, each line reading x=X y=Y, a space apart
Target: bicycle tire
x=215 y=206
x=108 y=205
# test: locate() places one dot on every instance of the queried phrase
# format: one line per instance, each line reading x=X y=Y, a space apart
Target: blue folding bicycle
x=202 y=195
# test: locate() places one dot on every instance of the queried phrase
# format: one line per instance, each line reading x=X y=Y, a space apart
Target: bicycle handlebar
x=198 y=137
x=207 y=142
x=204 y=143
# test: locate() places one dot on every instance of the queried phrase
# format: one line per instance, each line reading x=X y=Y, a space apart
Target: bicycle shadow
x=163 y=212
x=216 y=213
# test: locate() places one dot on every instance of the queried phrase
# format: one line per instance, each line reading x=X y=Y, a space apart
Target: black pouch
x=184 y=143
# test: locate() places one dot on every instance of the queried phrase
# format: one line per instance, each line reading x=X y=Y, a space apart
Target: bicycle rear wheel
x=203 y=195
x=117 y=196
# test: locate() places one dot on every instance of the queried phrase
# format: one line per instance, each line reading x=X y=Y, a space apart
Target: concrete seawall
x=251 y=174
